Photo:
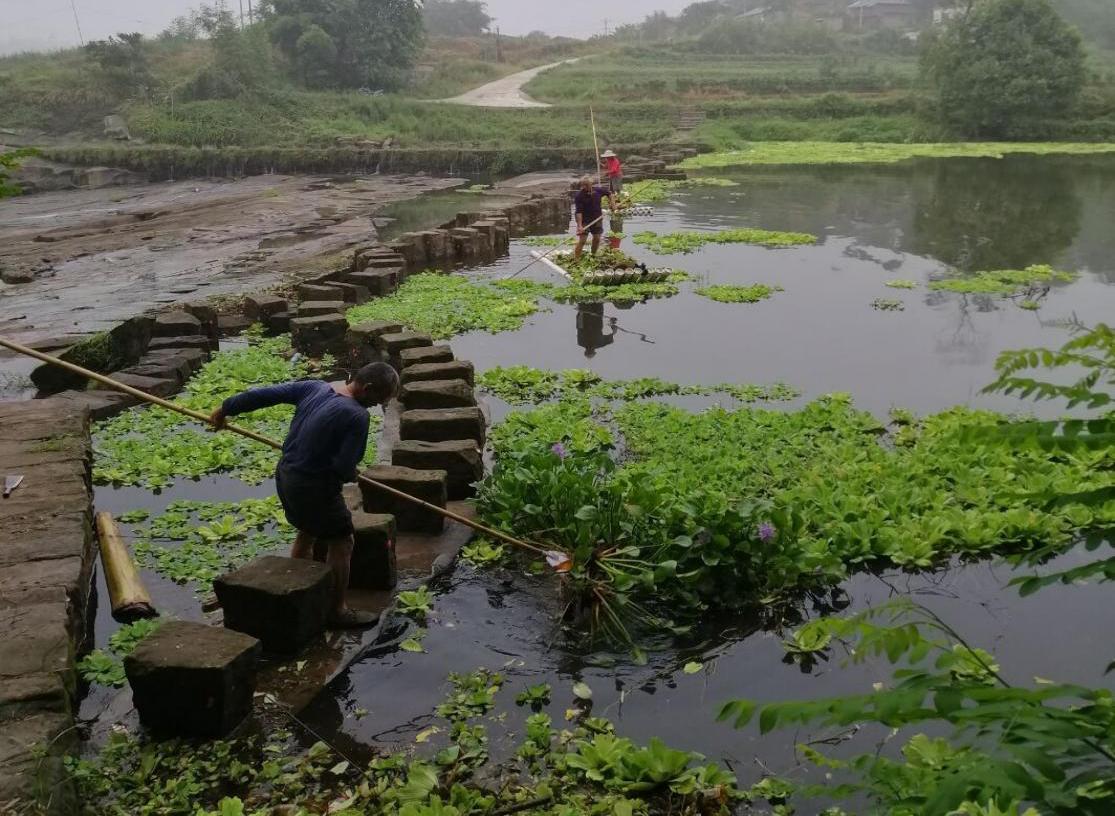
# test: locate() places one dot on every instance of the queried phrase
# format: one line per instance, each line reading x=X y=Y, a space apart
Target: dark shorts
x=313 y=505
x=596 y=229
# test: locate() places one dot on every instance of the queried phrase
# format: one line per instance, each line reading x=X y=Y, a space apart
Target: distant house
x=764 y=14
x=875 y=15
x=943 y=14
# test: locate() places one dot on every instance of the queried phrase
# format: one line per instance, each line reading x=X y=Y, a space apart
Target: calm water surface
x=913 y=221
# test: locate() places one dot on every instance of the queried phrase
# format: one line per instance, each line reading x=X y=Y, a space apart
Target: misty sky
x=33 y=24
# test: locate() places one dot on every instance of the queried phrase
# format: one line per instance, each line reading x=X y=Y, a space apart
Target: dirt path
x=101 y=256
x=507 y=92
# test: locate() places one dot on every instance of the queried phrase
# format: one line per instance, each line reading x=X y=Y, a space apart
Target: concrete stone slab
x=392 y=344
x=261 y=307
x=378 y=282
x=318 y=308
x=452 y=370
x=434 y=394
x=461 y=459
x=195 y=342
x=427 y=485
x=158 y=386
x=36 y=659
x=317 y=335
x=193 y=680
x=440 y=353
x=444 y=425
x=282 y=601
x=29 y=782
x=176 y=324
x=311 y=291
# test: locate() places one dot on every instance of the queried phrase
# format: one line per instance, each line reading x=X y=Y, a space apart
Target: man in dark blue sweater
x=323 y=448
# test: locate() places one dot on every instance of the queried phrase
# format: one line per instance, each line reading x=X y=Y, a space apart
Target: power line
x=81 y=39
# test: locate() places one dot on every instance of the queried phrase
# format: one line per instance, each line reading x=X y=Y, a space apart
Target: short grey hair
x=586 y=180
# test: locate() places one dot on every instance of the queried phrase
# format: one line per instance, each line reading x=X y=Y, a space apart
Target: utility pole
x=606 y=32
x=81 y=39
x=499 y=47
x=241 y=13
x=251 y=18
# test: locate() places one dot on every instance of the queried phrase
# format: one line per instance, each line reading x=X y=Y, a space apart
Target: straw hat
x=608 y=154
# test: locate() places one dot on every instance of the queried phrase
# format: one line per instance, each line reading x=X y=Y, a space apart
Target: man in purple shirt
x=589 y=213
x=322 y=451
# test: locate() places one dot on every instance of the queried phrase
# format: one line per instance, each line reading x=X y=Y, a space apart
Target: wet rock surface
x=461 y=460
x=45 y=565
x=101 y=256
x=427 y=485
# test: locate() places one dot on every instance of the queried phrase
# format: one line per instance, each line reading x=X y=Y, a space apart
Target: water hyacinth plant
x=738 y=294
x=686 y=242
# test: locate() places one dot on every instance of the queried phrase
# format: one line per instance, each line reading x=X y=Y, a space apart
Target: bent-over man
x=322 y=451
x=588 y=211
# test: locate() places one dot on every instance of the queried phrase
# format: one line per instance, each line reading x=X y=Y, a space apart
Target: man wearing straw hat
x=613 y=171
x=322 y=451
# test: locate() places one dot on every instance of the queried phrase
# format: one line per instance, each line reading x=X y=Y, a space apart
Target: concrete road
x=507 y=92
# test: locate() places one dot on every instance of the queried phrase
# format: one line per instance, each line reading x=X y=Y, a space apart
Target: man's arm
x=352 y=450
x=264 y=397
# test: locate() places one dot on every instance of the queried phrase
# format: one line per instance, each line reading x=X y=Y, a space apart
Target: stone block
x=411 y=249
x=175 y=368
x=156 y=386
x=354 y=293
x=282 y=601
x=193 y=680
x=425 y=354
x=468 y=243
x=361 y=340
x=461 y=460
x=261 y=307
x=443 y=425
x=195 y=358
x=208 y=317
x=389 y=262
x=100 y=404
x=36 y=659
x=452 y=370
x=438 y=245
x=392 y=344
x=278 y=323
x=380 y=255
x=317 y=335
x=198 y=341
x=317 y=291
x=427 y=485
x=176 y=324
x=232 y=324
x=431 y=394
x=317 y=308
x=119 y=348
x=373 y=555
x=378 y=282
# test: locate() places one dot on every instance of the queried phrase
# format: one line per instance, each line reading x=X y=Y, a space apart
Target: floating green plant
x=193 y=542
x=524 y=385
x=882 y=153
x=685 y=242
x=888 y=305
x=447 y=305
x=723 y=293
x=658 y=190
x=901 y=284
x=1003 y=281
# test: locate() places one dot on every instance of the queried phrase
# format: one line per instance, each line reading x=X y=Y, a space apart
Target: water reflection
x=590 y=328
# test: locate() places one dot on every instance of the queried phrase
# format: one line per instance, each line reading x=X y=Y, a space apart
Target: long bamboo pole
x=181 y=409
x=128 y=596
x=595 y=146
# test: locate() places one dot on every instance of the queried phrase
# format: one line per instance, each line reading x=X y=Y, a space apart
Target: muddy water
x=821 y=335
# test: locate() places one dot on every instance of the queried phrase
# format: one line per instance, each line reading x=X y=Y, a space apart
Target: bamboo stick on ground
x=129 y=597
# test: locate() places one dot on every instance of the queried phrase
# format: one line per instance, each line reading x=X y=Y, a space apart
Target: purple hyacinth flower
x=559 y=451
x=767 y=532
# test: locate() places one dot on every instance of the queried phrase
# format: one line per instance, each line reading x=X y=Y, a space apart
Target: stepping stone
x=391 y=262
x=261 y=307
x=156 y=386
x=443 y=425
x=192 y=358
x=317 y=308
x=361 y=339
x=278 y=323
x=461 y=459
x=425 y=354
x=100 y=404
x=198 y=341
x=431 y=394
x=176 y=324
x=427 y=485
x=193 y=680
x=316 y=291
x=373 y=556
x=392 y=344
x=282 y=601
x=317 y=335
x=208 y=317
x=454 y=370
x=378 y=282
x=232 y=324
x=354 y=293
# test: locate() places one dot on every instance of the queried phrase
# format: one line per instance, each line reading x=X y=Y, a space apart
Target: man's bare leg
x=596 y=236
x=580 y=246
x=303 y=546
x=339 y=559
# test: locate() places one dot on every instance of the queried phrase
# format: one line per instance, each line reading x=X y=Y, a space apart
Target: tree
x=123 y=60
x=10 y=160
x=1005 y=66
x=374 y=42
x=456 y=18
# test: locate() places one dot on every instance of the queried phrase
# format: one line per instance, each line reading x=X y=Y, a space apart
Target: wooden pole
x=126 y=592
x=170 y=406
x=595 y=146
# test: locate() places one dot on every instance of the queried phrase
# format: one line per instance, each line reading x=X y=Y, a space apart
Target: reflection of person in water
x=590 y=328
